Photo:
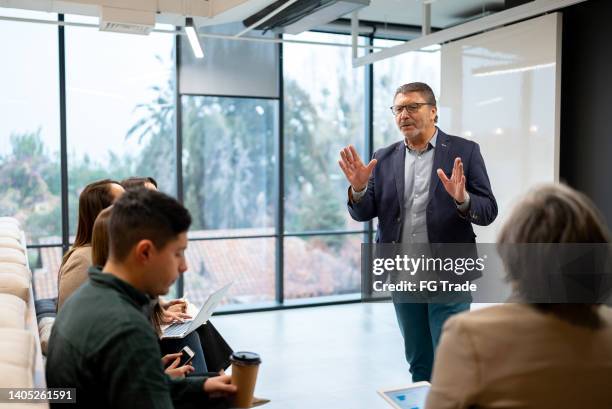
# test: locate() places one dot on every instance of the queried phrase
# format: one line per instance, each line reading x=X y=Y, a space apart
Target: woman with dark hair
x=73 y=271
x=530 y=353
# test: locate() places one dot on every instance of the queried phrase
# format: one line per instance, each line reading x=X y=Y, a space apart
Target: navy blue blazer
x=385 y=195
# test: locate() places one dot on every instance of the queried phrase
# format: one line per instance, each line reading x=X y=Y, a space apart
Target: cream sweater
x=73 y=273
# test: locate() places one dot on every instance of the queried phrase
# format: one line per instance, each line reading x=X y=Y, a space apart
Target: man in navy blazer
x=428 y=188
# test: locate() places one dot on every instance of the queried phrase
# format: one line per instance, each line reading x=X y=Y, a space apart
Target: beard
x=412 y=136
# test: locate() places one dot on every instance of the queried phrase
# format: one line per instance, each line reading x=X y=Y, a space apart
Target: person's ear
x=434 y=112
x=143 y=250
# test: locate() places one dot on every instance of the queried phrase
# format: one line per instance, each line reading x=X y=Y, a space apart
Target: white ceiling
x=407 y=12
x=444 y=13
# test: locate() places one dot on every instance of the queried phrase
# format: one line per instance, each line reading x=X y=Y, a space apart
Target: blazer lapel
x=399 y=157
x=440 y=157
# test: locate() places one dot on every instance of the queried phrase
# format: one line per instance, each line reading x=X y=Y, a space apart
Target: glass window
x=229 y=184
x=322 y=265
x=324 y=112
x=389 y=74
x=248 y=263
x=30 y=180
x=29 y=130
x=228 y=165
x=120 y=109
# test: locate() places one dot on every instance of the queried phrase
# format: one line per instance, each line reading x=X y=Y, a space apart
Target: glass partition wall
x=251 y=149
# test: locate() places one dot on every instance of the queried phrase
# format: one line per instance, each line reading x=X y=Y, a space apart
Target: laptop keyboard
x=176 y=329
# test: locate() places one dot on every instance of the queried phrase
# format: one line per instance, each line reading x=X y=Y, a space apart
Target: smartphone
x=186 y=356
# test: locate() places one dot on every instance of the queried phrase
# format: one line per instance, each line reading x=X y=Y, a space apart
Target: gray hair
x=551 y=213
x=423 y=89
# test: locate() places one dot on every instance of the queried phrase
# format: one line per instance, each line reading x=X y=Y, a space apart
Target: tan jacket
x=513 y=356
x=73 y=273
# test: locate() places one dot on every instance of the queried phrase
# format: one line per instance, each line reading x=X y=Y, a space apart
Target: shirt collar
x=430 y=145
x=139 y=298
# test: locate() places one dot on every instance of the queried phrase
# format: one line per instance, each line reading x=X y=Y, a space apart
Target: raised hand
x=355 y=171
x=455 y=186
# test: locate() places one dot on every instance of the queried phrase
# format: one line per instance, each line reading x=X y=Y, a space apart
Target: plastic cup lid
x=246 y=357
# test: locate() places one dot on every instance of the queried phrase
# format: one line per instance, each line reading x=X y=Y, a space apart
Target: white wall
x=501 y=89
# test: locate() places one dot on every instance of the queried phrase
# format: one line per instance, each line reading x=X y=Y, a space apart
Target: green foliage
x=27 y=187
x=229 y=161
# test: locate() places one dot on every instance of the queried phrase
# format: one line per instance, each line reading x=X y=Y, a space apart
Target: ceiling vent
x=303 y=15
x=126 y=21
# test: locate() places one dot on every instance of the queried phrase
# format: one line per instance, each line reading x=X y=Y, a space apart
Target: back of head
x=93 y=199
x=100 y=238
x=553 y=213
x=135 y=182
x=143 y=214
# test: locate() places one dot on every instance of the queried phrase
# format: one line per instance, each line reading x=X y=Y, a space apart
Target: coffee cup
x=244 y=375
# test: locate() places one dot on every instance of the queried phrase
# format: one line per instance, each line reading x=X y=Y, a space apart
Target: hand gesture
x=174 y=311
x=174 y=370
x=219 y=386
x=355 y=171
x=455 y=186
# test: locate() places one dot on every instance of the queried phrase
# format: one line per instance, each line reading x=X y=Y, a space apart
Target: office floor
x=325 y=357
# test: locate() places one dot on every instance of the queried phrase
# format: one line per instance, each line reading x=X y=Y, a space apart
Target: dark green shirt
x=103 y=344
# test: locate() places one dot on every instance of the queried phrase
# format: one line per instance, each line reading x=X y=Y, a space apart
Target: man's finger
x=169 y=357
x=459 y=166
x=226 y=387
x=175 y=363
x=371 y=165
x=344 y=170
x=344 y=159
x=346 y=155
x=442 y=176
x=349 y=152
x=354 y=154
x=455 y=175
x=343 y=155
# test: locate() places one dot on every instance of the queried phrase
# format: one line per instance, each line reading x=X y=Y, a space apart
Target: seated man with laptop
x=102 y=343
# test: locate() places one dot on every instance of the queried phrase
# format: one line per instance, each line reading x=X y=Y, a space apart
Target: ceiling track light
x=194 y=39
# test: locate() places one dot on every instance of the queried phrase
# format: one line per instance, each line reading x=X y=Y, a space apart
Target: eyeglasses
x=411 y=108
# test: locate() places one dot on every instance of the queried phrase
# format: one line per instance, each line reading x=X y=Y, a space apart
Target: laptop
x=407 y=397
x=182 y=329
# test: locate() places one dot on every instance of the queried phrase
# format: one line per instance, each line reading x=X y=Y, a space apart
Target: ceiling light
x=194 y=39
